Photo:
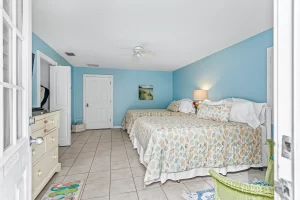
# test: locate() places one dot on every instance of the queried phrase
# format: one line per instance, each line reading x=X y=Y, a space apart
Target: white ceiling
x=178 y=31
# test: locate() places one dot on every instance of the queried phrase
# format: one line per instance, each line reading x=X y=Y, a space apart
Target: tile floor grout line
x=136 y=191
x=84 y=185
x=90 y=167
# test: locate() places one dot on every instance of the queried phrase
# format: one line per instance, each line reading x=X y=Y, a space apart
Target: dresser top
x=41 y=115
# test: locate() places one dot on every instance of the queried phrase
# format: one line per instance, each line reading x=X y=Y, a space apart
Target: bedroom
x=146 y=100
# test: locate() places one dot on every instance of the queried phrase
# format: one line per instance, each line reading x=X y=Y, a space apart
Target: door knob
x=38 y=140
x=87 y=105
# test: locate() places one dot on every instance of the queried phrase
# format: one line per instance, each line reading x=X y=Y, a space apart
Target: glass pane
x=7 y=116
x=19 y=114
x=20 y=15
x=7 y=6
x=19 y=61
x=7 y=40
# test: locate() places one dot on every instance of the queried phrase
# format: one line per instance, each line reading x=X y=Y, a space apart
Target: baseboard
x=117 y=127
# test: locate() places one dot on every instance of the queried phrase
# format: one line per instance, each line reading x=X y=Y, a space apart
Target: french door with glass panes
x=15 y=99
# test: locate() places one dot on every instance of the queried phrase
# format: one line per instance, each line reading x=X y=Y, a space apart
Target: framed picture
x=145 y=92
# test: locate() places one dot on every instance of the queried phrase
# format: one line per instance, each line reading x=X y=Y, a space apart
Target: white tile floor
x=106 y=160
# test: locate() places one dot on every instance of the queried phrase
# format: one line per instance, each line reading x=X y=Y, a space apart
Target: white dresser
x=45 y=155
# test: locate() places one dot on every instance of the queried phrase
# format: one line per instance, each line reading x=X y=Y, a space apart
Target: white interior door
x=98 y=105
x=285 y=91
x=60 y=99
x=15 y=99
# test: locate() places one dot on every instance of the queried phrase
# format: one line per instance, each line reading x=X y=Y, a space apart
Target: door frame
x=296 y=97
x=287 y=95
x=111 y=95
x=10 y=157
x=40 y=56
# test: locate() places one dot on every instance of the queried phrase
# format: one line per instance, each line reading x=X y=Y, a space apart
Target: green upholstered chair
x=228 y=189
x=270 y=171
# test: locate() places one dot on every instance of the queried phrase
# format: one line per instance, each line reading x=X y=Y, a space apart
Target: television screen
x=33 y=55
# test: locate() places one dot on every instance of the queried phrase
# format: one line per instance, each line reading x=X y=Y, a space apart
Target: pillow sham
x=174 y=106
x=214 y=112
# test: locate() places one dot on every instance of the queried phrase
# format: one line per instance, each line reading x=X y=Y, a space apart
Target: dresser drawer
x=44 y=166
x=39 y=171
x=40 y=124
x=38 y=150
x=52 y=121
x=51 y=140
x=53 y=160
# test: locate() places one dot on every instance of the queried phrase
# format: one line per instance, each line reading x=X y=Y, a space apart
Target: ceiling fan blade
x=150 y=53
x=126 y=54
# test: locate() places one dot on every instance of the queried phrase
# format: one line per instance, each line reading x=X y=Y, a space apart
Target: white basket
x=78 y=128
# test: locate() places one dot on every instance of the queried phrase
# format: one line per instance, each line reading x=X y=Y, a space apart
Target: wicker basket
x=78 y=128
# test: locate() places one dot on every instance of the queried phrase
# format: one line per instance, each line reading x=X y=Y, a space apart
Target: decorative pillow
x=174 y=106
x=186 y=106
x=214 y=112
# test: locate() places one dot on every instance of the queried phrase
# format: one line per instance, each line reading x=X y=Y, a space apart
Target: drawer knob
x=46 y=121
x=55 y=156
x=45 y=130
x=53 y=139
x=33 y=151
x=39 y=173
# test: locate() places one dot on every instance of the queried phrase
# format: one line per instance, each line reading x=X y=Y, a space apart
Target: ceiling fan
x=138 y=52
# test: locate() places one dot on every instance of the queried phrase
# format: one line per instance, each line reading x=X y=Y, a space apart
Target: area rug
x=210 y=193
x=64 y=191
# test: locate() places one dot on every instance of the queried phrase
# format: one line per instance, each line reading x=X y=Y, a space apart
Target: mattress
x=179 y=146
x=132 y=115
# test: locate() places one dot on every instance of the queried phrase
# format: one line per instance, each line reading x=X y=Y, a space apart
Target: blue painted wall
x=125 y=88
x=237 y=71
x=39 y=44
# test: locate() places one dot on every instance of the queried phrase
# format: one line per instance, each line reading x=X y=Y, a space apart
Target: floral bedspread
x=176 y=144
x=132 y=115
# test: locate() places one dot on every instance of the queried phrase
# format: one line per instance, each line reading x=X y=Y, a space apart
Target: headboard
x=268 y=122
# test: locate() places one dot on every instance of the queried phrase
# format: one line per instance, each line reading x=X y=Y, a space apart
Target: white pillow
x=244 y=112
x=259 y=108
x=213 y=103
x=186 y=107
x=188 y=100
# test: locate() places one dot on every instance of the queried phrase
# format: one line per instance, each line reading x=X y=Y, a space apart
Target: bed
x=182 y=147
x=132 y=115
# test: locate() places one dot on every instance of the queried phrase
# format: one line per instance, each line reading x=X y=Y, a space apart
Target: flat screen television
x=33 y=55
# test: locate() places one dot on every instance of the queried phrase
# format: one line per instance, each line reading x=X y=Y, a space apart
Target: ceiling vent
x=70 y=54
x=92 y=65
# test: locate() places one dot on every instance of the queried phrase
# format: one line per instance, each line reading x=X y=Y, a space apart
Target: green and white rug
x=64 y=191
x=210 y=193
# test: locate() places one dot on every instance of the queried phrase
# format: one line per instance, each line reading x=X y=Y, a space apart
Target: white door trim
x=270 y=78
x=111 y=94
x=296 y=96
x=15 y=160
x=40 y=56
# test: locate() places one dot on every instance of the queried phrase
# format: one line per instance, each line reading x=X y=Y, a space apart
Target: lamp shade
x=200 y=94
